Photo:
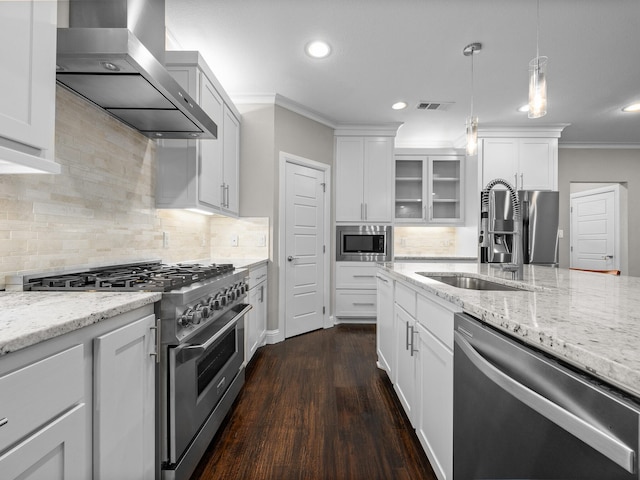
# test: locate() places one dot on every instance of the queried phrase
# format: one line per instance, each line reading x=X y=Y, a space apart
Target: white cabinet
x=27 y=106
x=422 y=369
x=42 y=418
x=256 y=318
x=429 y=189
x=82 y=405
x=55 y=452
x=527 y=163
x=124 y=403
x=355 y=289
x=231 y=163
x=384 y=321
x=404 y=377
x=364 y=169
x=434 y=382
x=201 y=174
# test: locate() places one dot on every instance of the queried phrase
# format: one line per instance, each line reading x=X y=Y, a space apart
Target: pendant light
x=472 y=121
x=538 y=79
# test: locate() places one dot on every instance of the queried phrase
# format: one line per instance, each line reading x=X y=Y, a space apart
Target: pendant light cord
x=538 y=34
x=472 y=54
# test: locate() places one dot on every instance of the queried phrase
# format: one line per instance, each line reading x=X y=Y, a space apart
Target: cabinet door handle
x=227 y=192
x=156 y=331
x=406 y=336
x=363 y=276
x=383 y=279
x=413 y=349
x=222 y=195
x=365 y=211
x=370 y=304
x=3 y=421
x=261 y=293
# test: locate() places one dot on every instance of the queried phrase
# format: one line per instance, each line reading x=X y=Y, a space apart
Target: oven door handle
x=189 y=352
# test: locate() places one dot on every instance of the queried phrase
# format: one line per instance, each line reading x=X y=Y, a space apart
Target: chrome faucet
x=515 y=267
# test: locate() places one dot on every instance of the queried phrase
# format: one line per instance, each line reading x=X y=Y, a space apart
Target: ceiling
x=384 y=51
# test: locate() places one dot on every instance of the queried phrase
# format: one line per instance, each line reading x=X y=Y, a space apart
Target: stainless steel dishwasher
x=519 y=413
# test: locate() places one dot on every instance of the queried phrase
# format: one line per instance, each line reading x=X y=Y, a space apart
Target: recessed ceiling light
x=524 y=108
x=399 y=105
x=634 y=107
x=318 y=49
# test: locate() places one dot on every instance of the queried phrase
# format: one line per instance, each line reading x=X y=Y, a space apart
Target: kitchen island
x=589 y=320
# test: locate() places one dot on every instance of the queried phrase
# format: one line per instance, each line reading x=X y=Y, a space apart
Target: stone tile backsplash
x=425 y=241
x=101 y=208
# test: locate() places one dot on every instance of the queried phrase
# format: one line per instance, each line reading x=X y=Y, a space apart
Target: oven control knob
x=231 y=294
x=186 y=318
x=203 y=310
x=223 y=299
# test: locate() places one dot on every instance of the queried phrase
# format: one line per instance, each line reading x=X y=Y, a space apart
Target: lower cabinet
x=256 y=318
x=422 y=374
x=355 y=290
x=82 y=405
x=405 y=365
x=55 y=452
x=384 y=323
x=124 y=402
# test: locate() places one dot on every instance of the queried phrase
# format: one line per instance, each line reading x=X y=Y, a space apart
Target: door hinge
x=571 y=209
x=324 y=186
x=571 y=248
x=324 y=249
x=323 y=310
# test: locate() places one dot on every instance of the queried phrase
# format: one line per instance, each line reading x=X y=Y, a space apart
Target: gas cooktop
x=145 y=276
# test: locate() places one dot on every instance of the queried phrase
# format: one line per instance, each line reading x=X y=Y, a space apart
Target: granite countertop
x=590 y=320
x=27 y=318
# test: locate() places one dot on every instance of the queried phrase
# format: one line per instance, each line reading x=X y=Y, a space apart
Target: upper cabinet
x=429 y=189
x=201 y=174
x=528 y=158
x=27 y=106
x=364 y=176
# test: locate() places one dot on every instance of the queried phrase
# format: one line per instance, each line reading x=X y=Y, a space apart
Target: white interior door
x=304 y=217
x=594 y=230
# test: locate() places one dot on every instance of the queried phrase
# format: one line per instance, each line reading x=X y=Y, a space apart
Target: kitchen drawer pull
x=4 y=421
x=363 y=276
x=261 y=276
x=413 y=349
x=383 y=279
x=364 y=303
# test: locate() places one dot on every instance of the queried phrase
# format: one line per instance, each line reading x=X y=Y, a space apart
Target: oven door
x=200 y=371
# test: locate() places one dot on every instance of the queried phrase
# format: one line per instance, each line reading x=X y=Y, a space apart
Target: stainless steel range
x=202 y=356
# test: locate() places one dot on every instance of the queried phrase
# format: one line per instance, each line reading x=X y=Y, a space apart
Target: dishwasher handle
x=604 y=443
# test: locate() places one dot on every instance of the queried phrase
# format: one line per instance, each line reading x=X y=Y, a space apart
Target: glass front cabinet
x=429 y=189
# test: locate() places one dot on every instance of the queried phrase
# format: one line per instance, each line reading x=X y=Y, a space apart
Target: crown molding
x=611 y=146
x=551 y=130
x=376 y=129
x=284 y=102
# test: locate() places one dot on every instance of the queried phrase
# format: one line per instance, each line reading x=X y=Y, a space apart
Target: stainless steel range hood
x=113 y=55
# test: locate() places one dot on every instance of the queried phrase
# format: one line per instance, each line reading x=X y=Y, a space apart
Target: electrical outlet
x=262 y=240
x=403 y=241
x=234 y=240
x=165 y=239
x=560 y=233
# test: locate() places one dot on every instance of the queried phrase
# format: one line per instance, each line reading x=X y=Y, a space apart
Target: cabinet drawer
x=437 y=318
x=406 y=298
x=257 y=275
x=356 y=303
x=37 y=393
x=356 y=275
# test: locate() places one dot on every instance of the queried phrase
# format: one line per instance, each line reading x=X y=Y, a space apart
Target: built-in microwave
x=364 y=243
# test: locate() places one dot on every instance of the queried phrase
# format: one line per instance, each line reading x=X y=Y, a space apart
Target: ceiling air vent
x=434 y=105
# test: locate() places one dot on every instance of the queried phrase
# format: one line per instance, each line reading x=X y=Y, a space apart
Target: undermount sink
x=472 y=283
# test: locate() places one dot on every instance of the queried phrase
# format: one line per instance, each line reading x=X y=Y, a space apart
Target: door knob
x=607 y=257
x=290 y=258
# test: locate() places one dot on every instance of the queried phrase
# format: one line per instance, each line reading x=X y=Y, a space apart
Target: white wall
x=600 y=166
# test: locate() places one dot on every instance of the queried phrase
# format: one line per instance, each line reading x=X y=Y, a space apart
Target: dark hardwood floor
x=316 y=407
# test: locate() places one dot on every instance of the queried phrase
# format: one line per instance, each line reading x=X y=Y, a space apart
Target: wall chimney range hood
x=113 y=55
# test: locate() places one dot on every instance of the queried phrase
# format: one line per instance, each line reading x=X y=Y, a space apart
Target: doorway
x=598 y=227
x=303 y=248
